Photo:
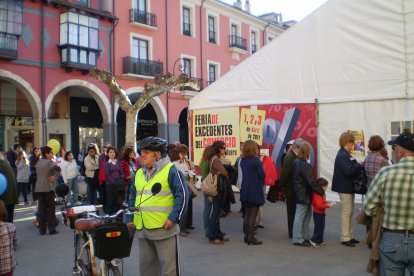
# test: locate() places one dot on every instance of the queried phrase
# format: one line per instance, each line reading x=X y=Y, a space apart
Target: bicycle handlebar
x=128 y=211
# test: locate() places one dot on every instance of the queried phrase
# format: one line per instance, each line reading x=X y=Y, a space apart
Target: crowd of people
x=116 y=177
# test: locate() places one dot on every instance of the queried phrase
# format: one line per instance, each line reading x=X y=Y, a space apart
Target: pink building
x=205 y=39
x=46 y=51
x=47 y=48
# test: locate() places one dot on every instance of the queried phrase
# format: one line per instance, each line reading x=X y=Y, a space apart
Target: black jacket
x=303 y=182
x=345 y=169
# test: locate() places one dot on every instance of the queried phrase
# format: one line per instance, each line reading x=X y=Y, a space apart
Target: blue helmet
x=153 y=144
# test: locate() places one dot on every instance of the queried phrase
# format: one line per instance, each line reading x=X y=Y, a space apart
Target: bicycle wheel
x=111 y=270
x=82 y=255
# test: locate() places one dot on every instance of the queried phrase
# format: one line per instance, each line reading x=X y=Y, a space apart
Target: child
x=8 y=243
x=319 y=205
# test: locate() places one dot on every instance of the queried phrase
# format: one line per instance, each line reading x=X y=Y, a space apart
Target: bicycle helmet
x=153 y=144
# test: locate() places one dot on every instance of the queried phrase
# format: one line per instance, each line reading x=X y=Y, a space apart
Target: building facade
x=204 y=39
x=48 y=47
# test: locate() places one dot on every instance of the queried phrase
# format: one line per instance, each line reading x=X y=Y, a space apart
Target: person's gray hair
x=298 y=142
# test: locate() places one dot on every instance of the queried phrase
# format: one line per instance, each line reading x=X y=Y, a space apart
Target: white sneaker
x=314 y=244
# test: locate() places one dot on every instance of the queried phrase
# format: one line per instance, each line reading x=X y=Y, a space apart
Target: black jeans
x=291 y=210
x=92 y=187
x=249 y=220
x=46 y=212
x=319 y=221
x=214 y=231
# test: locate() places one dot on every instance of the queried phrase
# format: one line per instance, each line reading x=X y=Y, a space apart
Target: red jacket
x=319 y=203
x=270 y=171
x=125 y=167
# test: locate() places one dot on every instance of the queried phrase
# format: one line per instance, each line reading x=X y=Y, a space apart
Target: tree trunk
x=131 y=127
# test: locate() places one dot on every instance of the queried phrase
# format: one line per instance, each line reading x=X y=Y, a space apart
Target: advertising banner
x=271 y=126
x=209 y=125
x=359 y=144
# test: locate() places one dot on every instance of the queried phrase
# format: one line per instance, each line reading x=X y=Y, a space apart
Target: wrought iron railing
x=238 y=42
x=8 y=46
x=14 y=107
x=145 y=67
x=103 y=7
x=142 y=17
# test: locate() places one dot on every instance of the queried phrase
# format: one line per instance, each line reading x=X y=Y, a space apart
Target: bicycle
x=103 y=237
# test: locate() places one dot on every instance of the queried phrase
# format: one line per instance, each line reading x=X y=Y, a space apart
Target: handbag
x=361 y=182
x=209 y=184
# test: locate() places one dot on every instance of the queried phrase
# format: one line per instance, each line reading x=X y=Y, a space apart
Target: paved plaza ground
x=53 y=255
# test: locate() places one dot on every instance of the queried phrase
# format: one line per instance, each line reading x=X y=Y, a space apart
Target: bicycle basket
x=112 y=241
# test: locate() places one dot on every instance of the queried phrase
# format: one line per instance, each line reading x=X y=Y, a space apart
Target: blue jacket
x=252 y=181
x=345 y=169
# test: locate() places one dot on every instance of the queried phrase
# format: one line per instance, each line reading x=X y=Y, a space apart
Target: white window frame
x=238 y=24
x=257 y=39
x=143 y=37
x=193 y=63
x=147 y=5
x=216 y=17
x=395 y=135
x=191 y=7
x=218 y=72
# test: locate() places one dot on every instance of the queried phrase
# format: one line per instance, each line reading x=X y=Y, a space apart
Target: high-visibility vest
x=153 y=212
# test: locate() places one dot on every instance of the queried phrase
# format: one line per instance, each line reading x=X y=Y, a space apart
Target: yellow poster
x=359 y=144
x=210 y=125
x=251 y=124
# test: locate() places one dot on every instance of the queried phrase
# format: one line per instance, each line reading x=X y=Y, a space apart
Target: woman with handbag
x=208 y=153
x=215 y=235
x=345 y=169
x=115 y=185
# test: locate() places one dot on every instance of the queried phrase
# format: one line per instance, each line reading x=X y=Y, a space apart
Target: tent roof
x=347 y=50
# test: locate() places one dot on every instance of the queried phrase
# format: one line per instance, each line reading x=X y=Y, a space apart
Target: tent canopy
x=347 y=50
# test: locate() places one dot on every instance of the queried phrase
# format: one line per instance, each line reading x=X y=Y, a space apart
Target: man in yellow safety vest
x=158 y=215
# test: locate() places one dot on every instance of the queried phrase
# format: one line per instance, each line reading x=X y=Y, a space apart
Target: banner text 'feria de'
x=209 y=125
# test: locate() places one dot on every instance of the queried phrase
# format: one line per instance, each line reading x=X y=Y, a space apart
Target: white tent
x=355 y=58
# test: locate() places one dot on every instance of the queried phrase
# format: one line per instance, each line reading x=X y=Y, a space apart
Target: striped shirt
x=393 y=189
x=8 y=243
x=373 y=163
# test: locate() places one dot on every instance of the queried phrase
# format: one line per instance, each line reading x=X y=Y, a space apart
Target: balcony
x=237 y=44
x=78 y=57
x=141 y=67
x=101 y=8
x=143 y=19
x=16 y=108
x=188 y=91
x=8 y=46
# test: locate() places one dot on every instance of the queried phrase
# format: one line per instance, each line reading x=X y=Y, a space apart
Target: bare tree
x=162 y=84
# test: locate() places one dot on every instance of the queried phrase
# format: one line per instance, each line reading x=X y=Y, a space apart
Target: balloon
x=55 y=145
x=3 y=184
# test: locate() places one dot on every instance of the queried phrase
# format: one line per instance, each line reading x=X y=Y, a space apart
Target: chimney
x=247 y=6
x=238 y=4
